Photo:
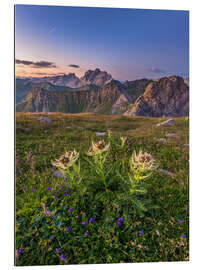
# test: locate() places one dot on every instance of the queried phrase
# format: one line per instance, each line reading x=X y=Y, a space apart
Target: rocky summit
x=169 y=96
x=97 y=92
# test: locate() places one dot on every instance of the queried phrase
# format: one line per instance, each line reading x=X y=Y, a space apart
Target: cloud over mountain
x=155 y=70
x=38 y=64
x=74 y=66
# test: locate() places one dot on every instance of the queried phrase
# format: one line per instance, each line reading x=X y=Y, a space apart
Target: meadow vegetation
x=112 y=205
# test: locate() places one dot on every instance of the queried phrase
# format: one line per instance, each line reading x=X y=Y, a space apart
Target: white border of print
x=196 y=130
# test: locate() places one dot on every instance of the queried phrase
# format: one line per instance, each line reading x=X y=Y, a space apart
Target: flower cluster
x=119 y=222
x=142 y=161
x=98 y=148
x=65 y=161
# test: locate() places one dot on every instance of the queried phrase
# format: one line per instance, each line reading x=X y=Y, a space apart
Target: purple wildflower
x=86 y=233
x=62 y=187
x=63 y=256
x=70 y=209
x=84 y=223
x=120 y=219
x=180 y=220
x=58 y=250
x=69 y=229
x=49 y=188
x=91 y=220
x=55 y=196
x=25 y=188
x=119 y=223
x=66 y=194
x=182 y=236
x=20 y=251
x=34 y=188
x=66 y=179
x=141 y=232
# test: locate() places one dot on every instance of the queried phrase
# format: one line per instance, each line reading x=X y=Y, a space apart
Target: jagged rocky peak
x=96 y=77
x=168 y=96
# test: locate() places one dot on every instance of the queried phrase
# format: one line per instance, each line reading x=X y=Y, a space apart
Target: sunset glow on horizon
x=127 y=43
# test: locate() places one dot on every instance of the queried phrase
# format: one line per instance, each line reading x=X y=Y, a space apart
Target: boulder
x=168 y=122
x=44 y=119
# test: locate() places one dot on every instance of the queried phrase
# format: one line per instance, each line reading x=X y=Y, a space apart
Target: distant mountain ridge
x=98 y=92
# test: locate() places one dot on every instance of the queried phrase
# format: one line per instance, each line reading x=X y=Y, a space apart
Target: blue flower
x=182 y=236
x=63 y=256
x=119 y=223
x=58 y=250
x=69 y=229
x=84 y=223
x=25 y=188
x=49 y=188
x=180 y=220
x=66 y=194
x=66 y=179
x=34 y=188
x=55 y=197
x=86 y=233
x=120 y=219
x=20 y=251
x=141 y=232
x=91 y=220
x=70 y=209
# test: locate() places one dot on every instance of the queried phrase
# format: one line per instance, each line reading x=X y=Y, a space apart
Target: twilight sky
x=127 y=43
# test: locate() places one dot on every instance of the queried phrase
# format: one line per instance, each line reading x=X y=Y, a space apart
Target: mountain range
x=98 y=92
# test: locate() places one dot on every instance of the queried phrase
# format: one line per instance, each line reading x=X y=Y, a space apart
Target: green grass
x=39 y=236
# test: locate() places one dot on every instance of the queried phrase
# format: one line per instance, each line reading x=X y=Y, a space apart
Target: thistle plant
x=141 y=165
x=67 y=164
x=99 y=152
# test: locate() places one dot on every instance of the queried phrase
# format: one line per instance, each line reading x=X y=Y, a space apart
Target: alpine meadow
x=102 y=135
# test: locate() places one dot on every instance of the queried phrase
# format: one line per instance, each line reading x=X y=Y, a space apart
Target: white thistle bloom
x=143 y=161
x=98 y=148
x=65 y=161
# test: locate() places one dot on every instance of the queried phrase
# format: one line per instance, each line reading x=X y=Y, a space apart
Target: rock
x=100 y=133
x=58 y=174
x=166 y=172
x=44 y=119
x=161 y=140
x=27 y=129
x=168 y=96
x=168 y=122
x=172 y=135
x=68 y=127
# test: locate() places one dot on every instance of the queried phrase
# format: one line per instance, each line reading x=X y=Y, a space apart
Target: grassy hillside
x=159 y=234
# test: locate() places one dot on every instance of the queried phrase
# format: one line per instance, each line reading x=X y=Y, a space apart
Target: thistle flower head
x=65 y=161
x=143 y=161
x=98 y=148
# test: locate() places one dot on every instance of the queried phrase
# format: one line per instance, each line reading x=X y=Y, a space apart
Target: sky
x=127 y=43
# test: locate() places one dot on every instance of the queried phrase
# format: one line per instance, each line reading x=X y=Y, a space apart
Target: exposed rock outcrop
x=167 y=96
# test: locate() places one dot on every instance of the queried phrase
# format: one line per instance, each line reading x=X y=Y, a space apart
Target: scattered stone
x=58 y=174
x=27 y=129
x=168 y=122
x=172 y=135
x=100 y=133
x=161 y=140
x=166 y=172
x=45 y=131
x=186 y=144
x=44 y=119
x=68 y=127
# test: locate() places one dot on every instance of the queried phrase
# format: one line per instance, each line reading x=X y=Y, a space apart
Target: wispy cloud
x=52 y=29
x=38 y=64
x=74 y=66
x=155 y=70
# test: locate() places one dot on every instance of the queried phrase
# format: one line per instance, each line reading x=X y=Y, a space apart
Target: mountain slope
x=167 y=96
